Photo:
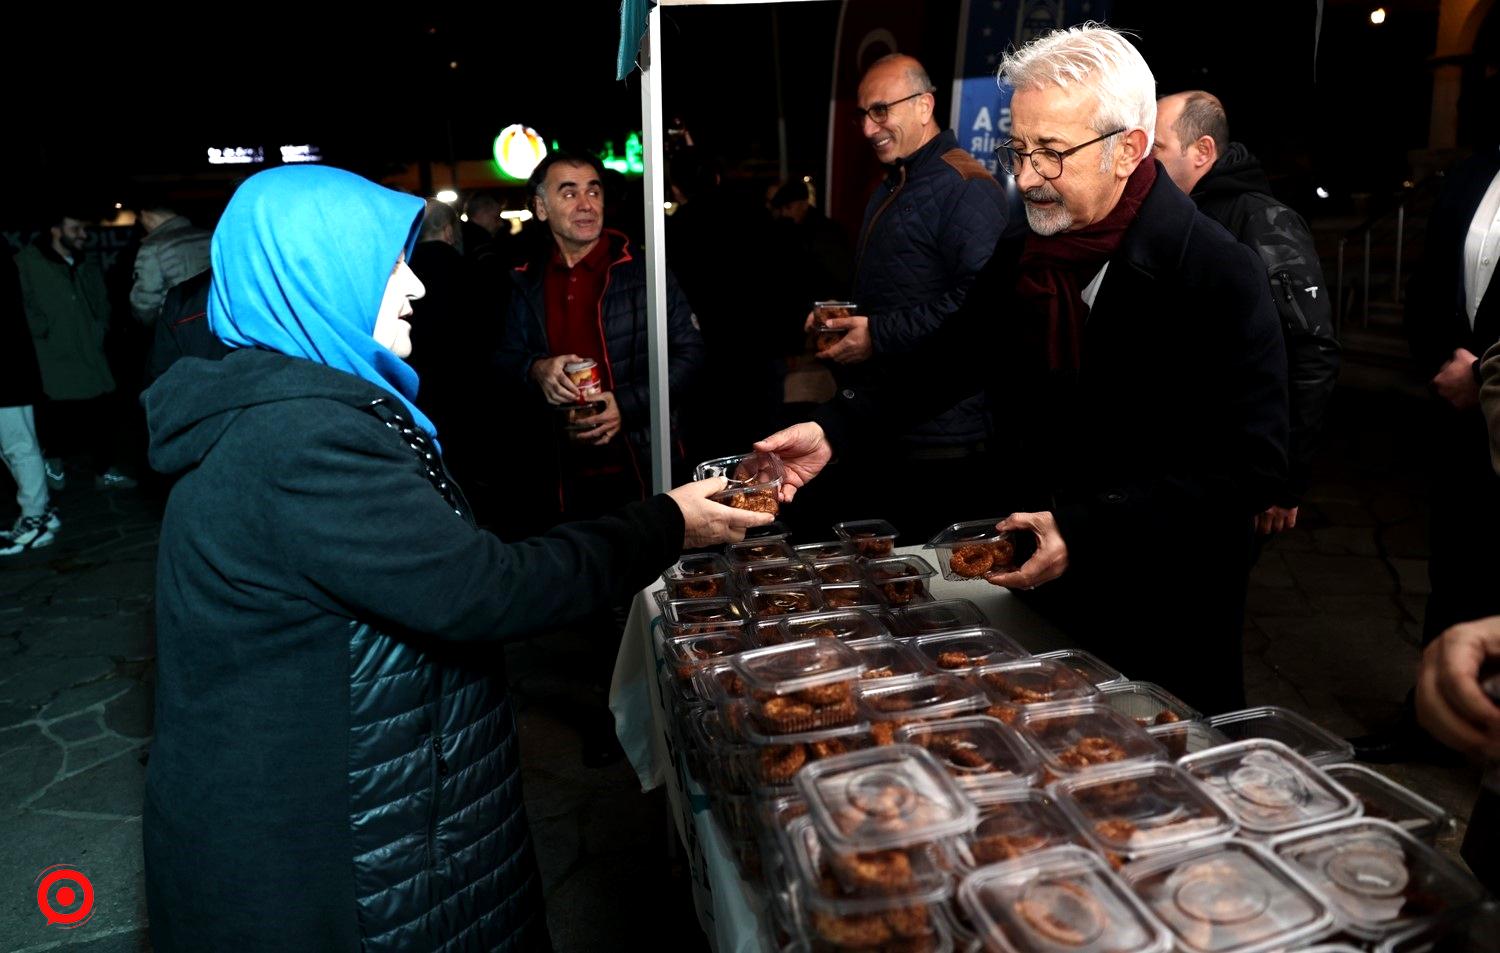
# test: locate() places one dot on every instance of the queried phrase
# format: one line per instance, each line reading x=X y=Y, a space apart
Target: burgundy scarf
x=1055 y=269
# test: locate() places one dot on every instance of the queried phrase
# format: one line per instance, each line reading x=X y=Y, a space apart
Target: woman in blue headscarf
x=335 y=762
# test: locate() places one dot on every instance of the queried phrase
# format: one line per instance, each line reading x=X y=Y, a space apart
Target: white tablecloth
x=727 y=907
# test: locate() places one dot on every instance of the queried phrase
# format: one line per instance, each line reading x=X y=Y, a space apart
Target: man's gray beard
x=1048 y=222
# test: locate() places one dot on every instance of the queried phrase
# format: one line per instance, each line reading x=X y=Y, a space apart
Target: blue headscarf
x=301 y=259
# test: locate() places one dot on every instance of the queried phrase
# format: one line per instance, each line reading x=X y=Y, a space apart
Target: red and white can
x=585 y=374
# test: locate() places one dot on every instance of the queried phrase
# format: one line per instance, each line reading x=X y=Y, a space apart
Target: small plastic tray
x=718 y=683
x=902 y=580
x=1385 y=800
x=1148 y=703
x=1032 y=681
x=704 y=576
x=775 y=572
x=980 y=549
x=1378 y=878
x=1183 y=738
x=872 y=539
x=846 y=625
x=570 y=414
x=882 y=798
x=772 y=530
x=801 y=687
x=1012 y=823
x=928 y=697
x=1268 y=787
x=1087 y=664
x=686 y=655
x=1074 y=737
x=763 y=601
x=697 y=616
x=1059 y=899
x=1141 y=809
x=933 y=618
x=887 y=660
x=767 y=768
x=833 y=549
x=750 y=551
x=1316 y=744
x=1231 y=897
x=754 y=480
x=977 y=750
x=968 y=649
x=837 y=570
x=854 y=595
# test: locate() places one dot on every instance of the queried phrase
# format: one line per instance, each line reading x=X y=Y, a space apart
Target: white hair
x=1099 y=56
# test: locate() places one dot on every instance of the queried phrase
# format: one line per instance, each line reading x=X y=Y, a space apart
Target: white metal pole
x=656 y=253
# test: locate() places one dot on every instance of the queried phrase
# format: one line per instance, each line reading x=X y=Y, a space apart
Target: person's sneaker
x=54 y=521
x=30 y=532
x=113 y=479
x=57 y=477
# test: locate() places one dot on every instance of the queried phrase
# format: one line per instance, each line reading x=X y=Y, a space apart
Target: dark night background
x=99 y=99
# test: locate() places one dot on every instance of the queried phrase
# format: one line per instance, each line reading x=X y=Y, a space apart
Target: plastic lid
x=719 y=682
x=1473 y=931
x=1316 y=744
x=842 y=624
x=898 y=567
x=884 y=797
x=858 y=595
x=1087 y=664
x=693 y=616
x=1142 y=808
x=686 y=654
x=1012 y=823
x=770 y=767
x=832 y=549
x=743 y=470
x=1148 y=703
x=1268 y=787
x=783 y=669
x=777 y=572
x=869 y=537
x=1072 y=737
x=975 y=548
x=758 y=550
x=1183 y=738
x=1379 y=878
x=1059 y=899
x=976 y=750
x=1228 y=897
x=1032 y=681
x=1385 y=800
x=839 y=569
x=702 y=564
x=931 y=696
x=783 y=600
x=886 y=658
x=848 y=883
x=945 y=615
x=772 y=530
x=968 y=649
x=715 y=586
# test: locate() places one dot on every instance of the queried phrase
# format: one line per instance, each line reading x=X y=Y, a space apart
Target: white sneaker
x=30 y=532
x=54 y=522
x=113 y=479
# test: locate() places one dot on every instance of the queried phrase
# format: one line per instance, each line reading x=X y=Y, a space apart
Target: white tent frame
x=654 y=133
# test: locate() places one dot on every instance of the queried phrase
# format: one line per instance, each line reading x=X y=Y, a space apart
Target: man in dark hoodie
x=1229 y=186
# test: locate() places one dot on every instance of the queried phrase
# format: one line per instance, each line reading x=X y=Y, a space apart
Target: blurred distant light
x=236 y=155
x=447 y=195
x=1322 y=192
x=464 y=217
x=1377 y=16
x=453 y=65
x=519 y=214
x=518 y=150
x=1408 y=184
x=119 y=205
x=292 y=155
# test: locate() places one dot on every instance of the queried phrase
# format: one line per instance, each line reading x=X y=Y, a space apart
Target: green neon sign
x=631 y=163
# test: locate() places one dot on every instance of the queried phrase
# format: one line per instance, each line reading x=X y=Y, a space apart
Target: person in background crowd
x=173 y=251
x=20 y=389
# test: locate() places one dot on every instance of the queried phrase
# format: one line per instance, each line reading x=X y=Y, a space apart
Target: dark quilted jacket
x=622 y=318
x=335 y=765
x=928 y=231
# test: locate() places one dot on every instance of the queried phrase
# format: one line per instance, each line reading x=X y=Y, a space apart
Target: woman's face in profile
x=392 y=330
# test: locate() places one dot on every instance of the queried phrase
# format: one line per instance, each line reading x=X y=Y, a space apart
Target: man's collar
x=1156 y=239
x=940 y=143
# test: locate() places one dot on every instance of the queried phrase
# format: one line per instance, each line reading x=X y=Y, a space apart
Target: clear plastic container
x=837 y=570
x=697 y=616
x=1012 y=822
x=933 y=618
x=1268 y=787
x=1385 y=800
x=870 y=538
x=1087 y=664
x=1032 y=681
x=571 y=416
x=1183 y=738
x=882 y=798
x=977 y=750
x=803 y=686
x=1476 y=930
x=855 y=595
x=689 y=653
x=719 y=683
x=772 y=530
x=1141 y=809
x=1060 y=899
x=968 y=649
x=742 y=554
x=846 y=625
x=1148 y=703
x=902 y=580
x=889 y=706
x=975 y=548
x=886 y=660
x=1318 y=745
x=765 y=601
x=1379 y=879
x=1073 y=737
x=817 y=552
x=1231 y=897
x=754 y=480
x=769 y=768
x=820 y=336
x=776 y=572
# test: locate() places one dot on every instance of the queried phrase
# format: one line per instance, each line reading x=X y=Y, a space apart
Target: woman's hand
x=708 y=522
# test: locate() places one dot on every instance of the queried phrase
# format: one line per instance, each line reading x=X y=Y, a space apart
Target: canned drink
x=585 y=374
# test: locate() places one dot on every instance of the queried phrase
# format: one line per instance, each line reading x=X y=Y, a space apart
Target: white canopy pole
x=654 y=130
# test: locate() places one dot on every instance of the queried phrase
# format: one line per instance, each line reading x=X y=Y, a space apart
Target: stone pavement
x=1332 y=631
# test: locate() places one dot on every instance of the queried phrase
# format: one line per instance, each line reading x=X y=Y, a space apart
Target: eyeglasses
x=1048 y=163
x=879 y=111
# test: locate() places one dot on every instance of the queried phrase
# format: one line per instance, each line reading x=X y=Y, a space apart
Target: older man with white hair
x=1136 y=345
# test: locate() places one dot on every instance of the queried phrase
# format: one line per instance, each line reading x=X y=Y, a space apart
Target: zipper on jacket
x=859 y=261
x=1289 y=292
x=439 y=771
